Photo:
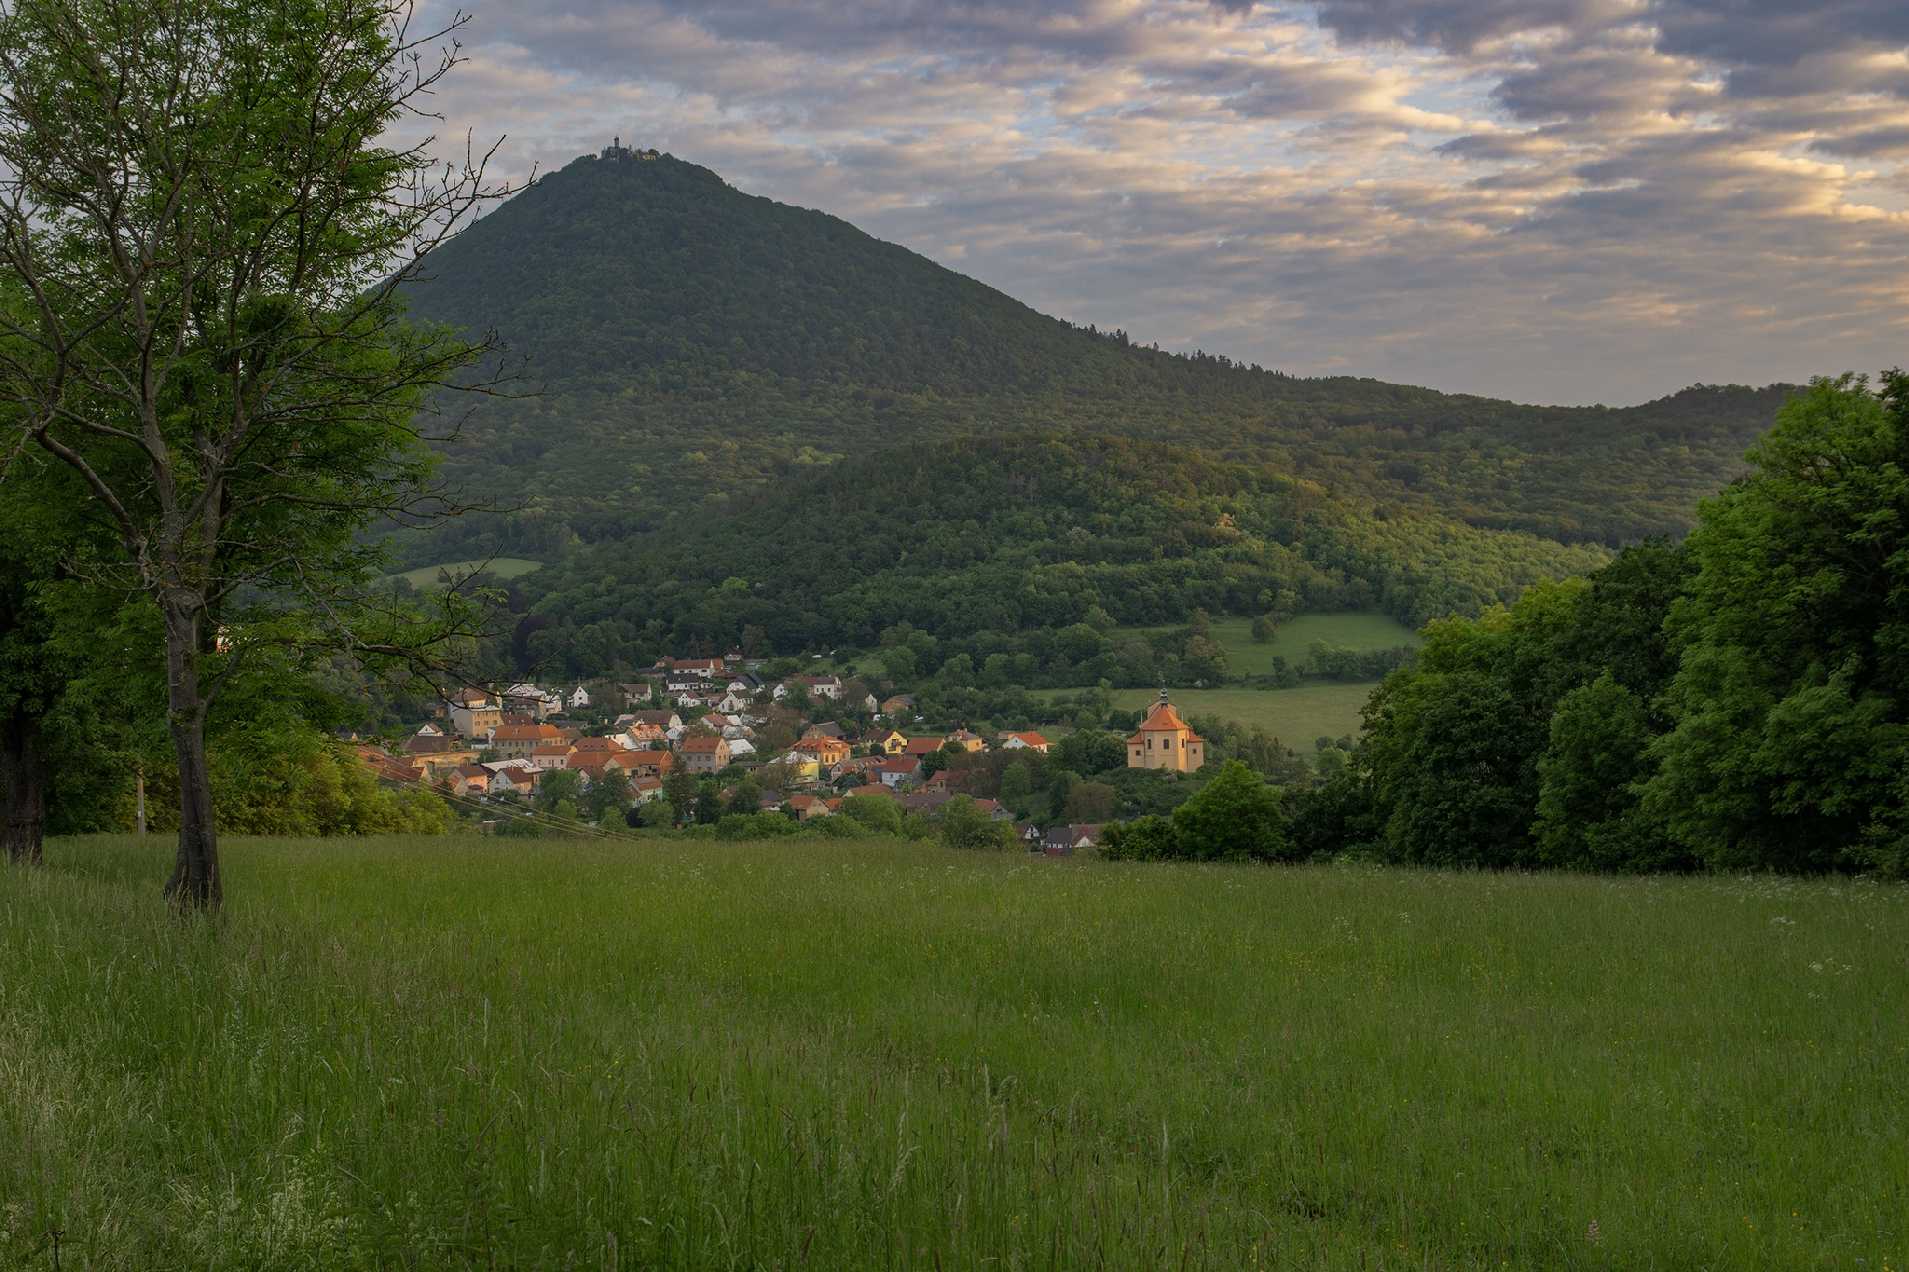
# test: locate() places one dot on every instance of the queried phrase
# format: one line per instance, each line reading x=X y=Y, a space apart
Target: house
x=925 y=802
x=1030 y=835
x=579 y=698
x=662 y=721
x=515 y=781
x=887 y=742
x=1164 y=741
x=658 y=764
x=645 y=789
x=873 y=788
x=635 y=695
x=474 y=716
x=469 y=780
x=828 y=752
x=829 y=687
x=967 y=741
x=533 y=700
x=704 y=669
x=600 y=746
x=740 y=748
x=902 y=704
x=802 y=766
x=732 y=702
x=809 y=807
x=919 y=747
x=1024 y=742
x=1065 y=841
x=871 y=704
x=827 y=729
x=517 y=740
x=554 y=755
x=705 y=753
x=593 y=766
x=897 y=770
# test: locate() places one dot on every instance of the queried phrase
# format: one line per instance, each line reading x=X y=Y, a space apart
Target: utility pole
x=139 y=795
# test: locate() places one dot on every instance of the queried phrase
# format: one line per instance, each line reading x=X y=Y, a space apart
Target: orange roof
x=1164 y=719
x=526 y=733
x=1030 y=739
x=702 y=743
x=598 y=746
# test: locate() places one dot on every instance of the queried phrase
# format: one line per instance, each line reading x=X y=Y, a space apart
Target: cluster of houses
x=486 y=744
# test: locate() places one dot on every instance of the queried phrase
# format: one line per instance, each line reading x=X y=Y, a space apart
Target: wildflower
x=1591 y=1233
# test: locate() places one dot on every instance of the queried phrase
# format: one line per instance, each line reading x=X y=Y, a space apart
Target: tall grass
x=426 y=1053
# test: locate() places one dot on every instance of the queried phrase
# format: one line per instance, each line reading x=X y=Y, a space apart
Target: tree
x=1790 y=706
x=745 y=796
x=1235 y=817
x=964 y=825
x=556 y=789
x=1264 y=629
x=1091 y=802
x=879 y=813
x=1017 y=786
x=680 y=790
x=1588 y=816
x=709 y=802
x=209 y=241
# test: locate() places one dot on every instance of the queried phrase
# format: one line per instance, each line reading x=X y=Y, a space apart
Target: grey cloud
x=1628 y=207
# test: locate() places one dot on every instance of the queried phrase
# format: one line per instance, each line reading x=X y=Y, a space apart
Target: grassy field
x=502 y=567
x=450 y=1054
x=1297 y=717
x=1295 y=638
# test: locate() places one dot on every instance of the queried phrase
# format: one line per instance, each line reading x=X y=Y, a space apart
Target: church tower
x=1164 y=741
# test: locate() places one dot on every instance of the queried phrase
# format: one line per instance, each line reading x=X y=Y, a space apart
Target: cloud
x=1561 y=200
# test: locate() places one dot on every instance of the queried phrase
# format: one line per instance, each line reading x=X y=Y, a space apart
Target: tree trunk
x=195 y=873
x=23 y=775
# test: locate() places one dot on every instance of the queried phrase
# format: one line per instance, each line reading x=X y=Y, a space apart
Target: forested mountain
x=977 y=539
x=688 y=340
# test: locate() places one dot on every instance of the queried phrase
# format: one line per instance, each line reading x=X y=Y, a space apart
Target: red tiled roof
x=702 y=743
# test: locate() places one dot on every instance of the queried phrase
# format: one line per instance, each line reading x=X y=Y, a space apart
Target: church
x=1164 y=741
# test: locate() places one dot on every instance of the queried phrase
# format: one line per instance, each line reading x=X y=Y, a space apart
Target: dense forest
x=977 y=539
x=1739 y=701
x=675 y=340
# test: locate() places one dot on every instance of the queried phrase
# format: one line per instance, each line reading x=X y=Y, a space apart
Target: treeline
x=1738 y=702
x=1026 y=550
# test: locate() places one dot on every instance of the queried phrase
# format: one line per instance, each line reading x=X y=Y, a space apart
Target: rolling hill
x=718 y=376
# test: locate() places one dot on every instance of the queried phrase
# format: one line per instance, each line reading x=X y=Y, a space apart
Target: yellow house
x=889 y=742
x=1164 y=741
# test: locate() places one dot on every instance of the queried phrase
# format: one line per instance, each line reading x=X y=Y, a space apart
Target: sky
x=1549 y=200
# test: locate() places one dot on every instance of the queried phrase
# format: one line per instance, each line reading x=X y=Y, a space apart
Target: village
x=641 y=752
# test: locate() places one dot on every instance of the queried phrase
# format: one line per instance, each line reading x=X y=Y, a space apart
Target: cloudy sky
x=1552 y=200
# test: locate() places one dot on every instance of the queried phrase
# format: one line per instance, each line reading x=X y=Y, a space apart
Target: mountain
x=688 y=342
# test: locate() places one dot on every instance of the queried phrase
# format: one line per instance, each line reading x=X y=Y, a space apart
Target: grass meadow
x=1298 y=717
x=448 y=1053
x=501 y=567
x=1294 y=638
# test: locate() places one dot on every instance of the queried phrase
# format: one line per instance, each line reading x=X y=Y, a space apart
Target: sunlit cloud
x=1559 y=200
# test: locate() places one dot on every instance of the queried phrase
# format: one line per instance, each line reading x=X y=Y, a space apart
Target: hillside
x=980 y=538
x=690 y=341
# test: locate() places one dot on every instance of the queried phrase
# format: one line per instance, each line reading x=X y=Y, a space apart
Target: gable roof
x=704 y=742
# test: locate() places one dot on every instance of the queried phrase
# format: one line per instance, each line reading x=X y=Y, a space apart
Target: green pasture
x=1294 y=639
x=1298 y=717
x=502 y=567
x=469 y=1053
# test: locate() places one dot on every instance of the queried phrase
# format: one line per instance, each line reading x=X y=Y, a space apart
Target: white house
x=579 y=698
x=739 y=747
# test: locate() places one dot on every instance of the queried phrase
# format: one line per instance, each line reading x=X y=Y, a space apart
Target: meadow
x=448 y=1053
x=1298 y=717
x=1294 y=638
x=501 y=567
